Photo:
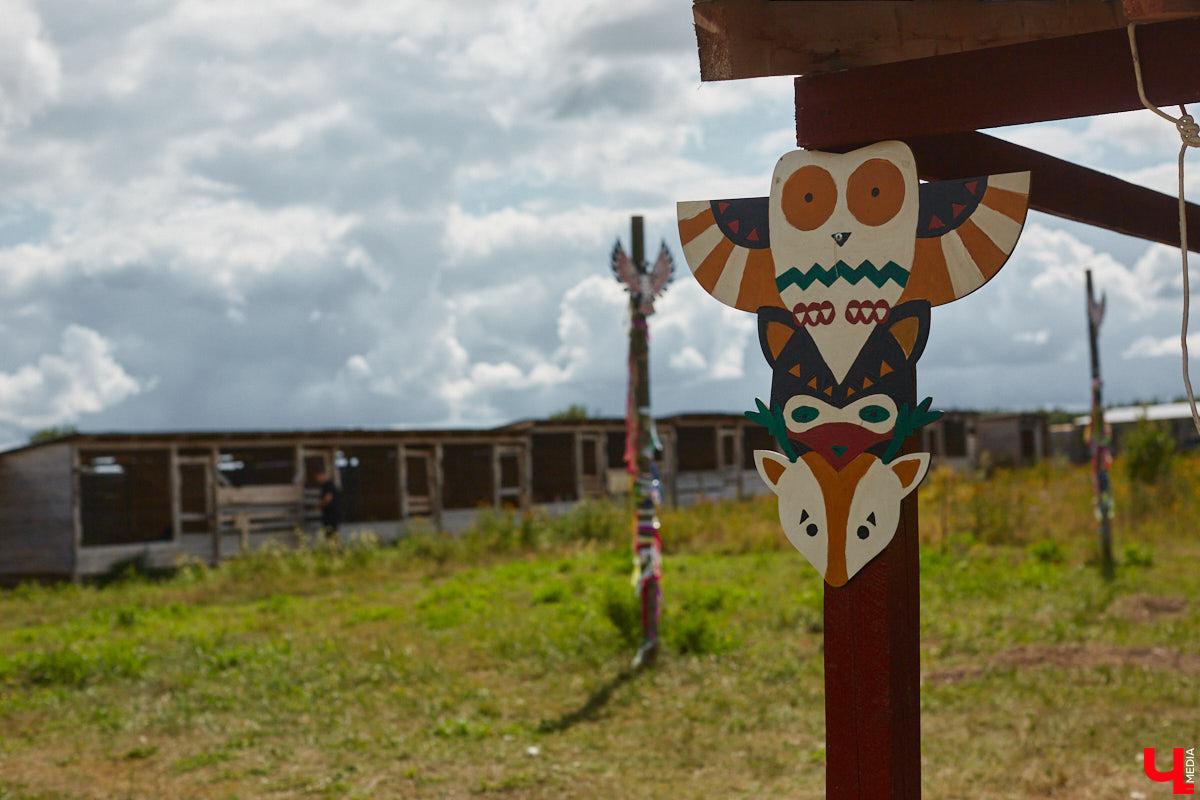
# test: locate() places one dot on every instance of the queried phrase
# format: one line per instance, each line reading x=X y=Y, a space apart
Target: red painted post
x=873 y=674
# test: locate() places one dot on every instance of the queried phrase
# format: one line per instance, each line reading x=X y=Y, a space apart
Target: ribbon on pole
x=644 y=284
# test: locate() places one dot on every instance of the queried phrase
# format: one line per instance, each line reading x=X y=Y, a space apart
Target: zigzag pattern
x=891 y=271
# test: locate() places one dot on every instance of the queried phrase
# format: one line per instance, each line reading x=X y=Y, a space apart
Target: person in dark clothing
x=331 y=506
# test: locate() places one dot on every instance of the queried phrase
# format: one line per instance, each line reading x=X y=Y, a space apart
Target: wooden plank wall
x=37 y=512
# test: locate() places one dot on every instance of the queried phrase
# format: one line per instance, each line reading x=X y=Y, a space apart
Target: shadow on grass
x=591 y=707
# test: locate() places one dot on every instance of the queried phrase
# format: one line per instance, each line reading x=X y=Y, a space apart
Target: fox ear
x=910 y=470
x=771 y=466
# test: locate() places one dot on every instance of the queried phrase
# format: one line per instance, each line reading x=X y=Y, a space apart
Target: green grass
x=433 y=668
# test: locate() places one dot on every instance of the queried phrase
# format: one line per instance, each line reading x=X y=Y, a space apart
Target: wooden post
x=402 y=483
x=435 y=485
x=216 y=508
x=1099 y=438
x=873 y=673
x=176 y=497
x=644 y=283
x=647 y=543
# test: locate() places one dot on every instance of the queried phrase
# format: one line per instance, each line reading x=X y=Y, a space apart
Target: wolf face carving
x=841 y=419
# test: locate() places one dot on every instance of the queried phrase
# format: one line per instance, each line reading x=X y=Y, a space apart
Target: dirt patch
x=1075 y=656
x=1147 y=608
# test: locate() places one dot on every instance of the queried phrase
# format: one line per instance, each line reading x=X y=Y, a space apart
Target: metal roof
x=1126 y=414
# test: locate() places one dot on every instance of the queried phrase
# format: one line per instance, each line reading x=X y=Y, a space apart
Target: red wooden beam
x=1072 y=76
x=754 y=38
x=873 y=674
x=1147 y=10
x=1059 y=187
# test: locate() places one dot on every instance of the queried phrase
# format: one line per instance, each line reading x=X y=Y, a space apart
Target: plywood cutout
x=842 y=262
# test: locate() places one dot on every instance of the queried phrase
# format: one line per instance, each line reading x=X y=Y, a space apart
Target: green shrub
x=1136 y=554
x=1147 y=452
x=693 y=634
x=597 y=521
x=1048 y=551
x=623 y=610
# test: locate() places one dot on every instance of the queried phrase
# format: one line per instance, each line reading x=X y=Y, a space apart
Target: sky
x=299 y=214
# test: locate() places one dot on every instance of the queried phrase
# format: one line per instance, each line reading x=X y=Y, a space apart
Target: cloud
x=1155 y=347
x=30 y=73
x=352 y=214
x=82 y=378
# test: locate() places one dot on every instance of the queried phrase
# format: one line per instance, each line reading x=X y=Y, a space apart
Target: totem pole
x=842 y=263
x=1099 y=436
x=644 y=284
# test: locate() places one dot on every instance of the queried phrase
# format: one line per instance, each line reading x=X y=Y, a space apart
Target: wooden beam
x=1059 y=187
x=1155 y=10
x=873 y=673
x=1075 y=76
x=756 y=38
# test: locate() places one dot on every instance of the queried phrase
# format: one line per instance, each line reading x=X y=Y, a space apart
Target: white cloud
x=83 y=377
x=30 y=73
x=358 y=367
x=1038 y=338
x=1155 y=347
x=469 y=236
x=687 y=360
x=347 y=213
x=225 y=244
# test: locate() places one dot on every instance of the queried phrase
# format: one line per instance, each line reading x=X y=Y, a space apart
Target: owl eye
x=809 y=195
x=875 y=192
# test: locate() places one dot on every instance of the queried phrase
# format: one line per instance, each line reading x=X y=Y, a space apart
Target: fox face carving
x=840 y=519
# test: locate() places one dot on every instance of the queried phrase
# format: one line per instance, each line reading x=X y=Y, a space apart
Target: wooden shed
x=82 y=504
x=85 y=503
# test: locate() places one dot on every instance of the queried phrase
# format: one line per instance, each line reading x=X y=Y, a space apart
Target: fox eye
x=812 y=529
x=863 y=531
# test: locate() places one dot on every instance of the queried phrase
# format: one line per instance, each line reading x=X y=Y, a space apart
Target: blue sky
x=315 y=214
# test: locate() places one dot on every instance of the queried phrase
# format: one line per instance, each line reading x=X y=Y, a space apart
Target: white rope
x=1189 y=134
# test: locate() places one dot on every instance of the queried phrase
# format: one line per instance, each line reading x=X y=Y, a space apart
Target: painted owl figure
x=843 y=238
x=843 y=241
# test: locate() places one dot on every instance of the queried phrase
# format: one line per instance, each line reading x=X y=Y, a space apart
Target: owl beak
x=841 y=238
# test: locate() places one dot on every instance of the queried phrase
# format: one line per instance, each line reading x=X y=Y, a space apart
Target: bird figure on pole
x=643 y=282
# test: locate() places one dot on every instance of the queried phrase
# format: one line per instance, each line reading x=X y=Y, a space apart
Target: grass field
x=496 y=664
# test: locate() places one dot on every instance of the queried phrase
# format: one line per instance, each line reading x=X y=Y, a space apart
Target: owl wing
x=966 y=230
x=624 y=270
x=663 y=271
x=727 y=245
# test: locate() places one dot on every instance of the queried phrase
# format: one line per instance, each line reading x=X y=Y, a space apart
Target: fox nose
x=841 y=238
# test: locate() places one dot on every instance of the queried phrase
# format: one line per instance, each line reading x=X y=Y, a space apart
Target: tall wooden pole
x=873 y=673
x=644 y=283
x=1099 y=442
x=647 y=542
